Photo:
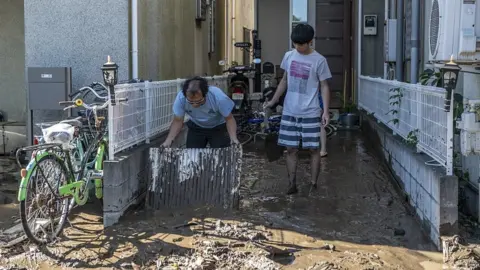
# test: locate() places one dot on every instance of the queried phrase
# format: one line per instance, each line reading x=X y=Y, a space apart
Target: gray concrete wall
x=77 y=34
x=372 y=46
x=273 y=29
x=432 y=194
x=12 y=61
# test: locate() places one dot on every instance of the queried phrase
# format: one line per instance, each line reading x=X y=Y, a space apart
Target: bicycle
x=67 y=182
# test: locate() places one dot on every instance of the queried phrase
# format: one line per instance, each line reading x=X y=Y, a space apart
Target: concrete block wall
x=432 y=194
x=127 y=178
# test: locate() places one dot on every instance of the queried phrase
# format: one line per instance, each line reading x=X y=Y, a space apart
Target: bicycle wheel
x=42 y=198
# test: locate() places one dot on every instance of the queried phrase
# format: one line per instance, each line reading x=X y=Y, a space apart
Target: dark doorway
x=333 y=40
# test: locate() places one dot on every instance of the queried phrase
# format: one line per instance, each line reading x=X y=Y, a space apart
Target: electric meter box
x=370 y=25
x=46 y=88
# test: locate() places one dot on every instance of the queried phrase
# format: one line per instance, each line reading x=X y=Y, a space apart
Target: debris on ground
x=324 y=265
x=459 y=255
x=243 y=231
x=210 y=254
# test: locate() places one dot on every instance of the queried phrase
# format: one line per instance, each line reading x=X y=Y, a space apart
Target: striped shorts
x=296 y=130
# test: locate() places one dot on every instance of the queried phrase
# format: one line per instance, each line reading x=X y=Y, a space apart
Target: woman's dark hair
x=202 y=84
x=302 y=33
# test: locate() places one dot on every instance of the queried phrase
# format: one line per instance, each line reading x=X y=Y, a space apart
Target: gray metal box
x=391 y=40
x=46 y=88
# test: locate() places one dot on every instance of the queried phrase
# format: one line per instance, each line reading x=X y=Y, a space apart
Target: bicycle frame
x=73 y=188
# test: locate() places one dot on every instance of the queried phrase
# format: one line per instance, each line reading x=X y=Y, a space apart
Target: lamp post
x=110 y=77
x=449 y=78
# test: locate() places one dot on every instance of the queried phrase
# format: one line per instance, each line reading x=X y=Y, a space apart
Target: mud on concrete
x=354 y=220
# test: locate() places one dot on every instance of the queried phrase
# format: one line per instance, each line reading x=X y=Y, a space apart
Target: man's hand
x=269 y=104
x=325 y=118
x=167 y=143
x=235 y=141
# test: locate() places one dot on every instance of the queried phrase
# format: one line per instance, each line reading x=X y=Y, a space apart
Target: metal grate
x=434 y=27
x=191 y=177
x=148 y=111
x=420 y=113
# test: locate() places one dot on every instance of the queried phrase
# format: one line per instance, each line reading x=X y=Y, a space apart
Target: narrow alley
x=356 y=219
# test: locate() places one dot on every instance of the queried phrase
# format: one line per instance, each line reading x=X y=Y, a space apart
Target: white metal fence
x=147 y=113
x=414 y=112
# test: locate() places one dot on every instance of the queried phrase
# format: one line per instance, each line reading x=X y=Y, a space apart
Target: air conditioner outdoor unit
x=443 y=29
x=452 y=30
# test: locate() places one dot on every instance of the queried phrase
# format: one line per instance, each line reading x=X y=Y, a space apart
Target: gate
x=191 y=177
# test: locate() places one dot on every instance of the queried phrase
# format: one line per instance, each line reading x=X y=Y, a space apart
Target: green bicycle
x=52 y=182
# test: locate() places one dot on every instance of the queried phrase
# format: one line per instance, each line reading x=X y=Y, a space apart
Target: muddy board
x=194 y=177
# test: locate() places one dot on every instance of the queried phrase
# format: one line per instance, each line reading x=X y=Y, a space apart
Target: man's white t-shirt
x=304 y=74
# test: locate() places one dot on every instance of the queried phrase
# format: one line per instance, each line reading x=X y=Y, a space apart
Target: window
x=247 y=37
x=299 y=13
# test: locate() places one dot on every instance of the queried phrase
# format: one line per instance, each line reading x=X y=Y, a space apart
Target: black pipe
x=257 y=54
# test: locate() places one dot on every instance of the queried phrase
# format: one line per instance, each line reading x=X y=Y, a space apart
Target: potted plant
x=349 y=118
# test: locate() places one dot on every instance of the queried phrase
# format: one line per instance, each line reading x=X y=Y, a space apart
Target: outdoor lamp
x=449 y=73
x=110 y=72
x=110 y=77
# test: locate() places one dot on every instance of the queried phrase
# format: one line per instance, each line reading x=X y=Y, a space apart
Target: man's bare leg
x=292 y=159
x=315 y=157
x=323 y=142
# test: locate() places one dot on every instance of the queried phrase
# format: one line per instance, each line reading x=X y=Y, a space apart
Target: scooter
x=239 y=88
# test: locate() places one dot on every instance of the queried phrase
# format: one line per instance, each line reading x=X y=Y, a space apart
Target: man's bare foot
x=323 y=154
x=292 y=189
x=313 y=186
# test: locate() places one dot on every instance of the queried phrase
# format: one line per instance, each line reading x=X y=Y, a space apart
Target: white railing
x=147 y=113
x=414 y=112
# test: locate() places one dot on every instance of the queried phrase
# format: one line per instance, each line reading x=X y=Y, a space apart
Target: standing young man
x=306 y=72
x=210 y=110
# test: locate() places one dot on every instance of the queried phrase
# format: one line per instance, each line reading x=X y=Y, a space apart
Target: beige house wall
x=244 y=17
x=172 y=44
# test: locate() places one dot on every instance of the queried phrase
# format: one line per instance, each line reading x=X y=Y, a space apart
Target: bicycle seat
x=77 y=122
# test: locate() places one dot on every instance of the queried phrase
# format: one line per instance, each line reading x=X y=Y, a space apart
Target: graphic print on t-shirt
x=299 y=73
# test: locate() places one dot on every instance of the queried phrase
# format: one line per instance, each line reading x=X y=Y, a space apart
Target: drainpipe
x=392 y=9
x=134 y=39
x=386 y=16
x=233 y=29
x=227 y=32
x=415 y=41
x=359 y=46
x=399 y=64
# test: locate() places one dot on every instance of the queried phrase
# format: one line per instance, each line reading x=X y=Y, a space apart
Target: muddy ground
x=354 y=220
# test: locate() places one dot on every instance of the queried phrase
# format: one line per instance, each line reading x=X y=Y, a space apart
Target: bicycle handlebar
x=88 y=88
x=68 y=102
x=79 y=103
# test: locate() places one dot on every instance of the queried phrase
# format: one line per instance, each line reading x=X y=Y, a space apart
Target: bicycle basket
x=60 y=133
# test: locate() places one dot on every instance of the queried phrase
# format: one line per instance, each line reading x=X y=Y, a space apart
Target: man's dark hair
x=202 y=85
x=302 y=33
